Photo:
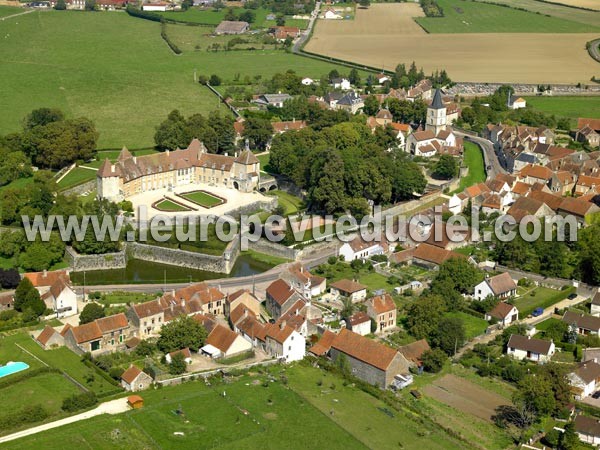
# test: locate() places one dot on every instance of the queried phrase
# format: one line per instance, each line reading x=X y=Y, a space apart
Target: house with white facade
x=582 y=323
x=504 y=313
x=584 y=379
x=282 y=341
x=56 y=291
x=359 y=322
x=349 y=289
x=501 y=286
x=360 y=249
x=526 y=347
x=227 y=342
x=587 y=429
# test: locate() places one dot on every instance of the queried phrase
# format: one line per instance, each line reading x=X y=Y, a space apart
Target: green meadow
x=463 y=16
x=117 y=71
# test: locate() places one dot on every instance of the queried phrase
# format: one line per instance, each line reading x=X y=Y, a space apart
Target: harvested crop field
x=557 y=10
x=465 y=396
x=385 y=35
x=589 y=4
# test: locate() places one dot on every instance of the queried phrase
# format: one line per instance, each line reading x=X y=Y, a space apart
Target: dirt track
x=385 y=35
x=465 y=396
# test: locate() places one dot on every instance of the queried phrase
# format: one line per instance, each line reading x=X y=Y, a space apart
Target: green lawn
x=474 y=326
x=570 y=107
x=264 y=162
x=372 y=280
x=10 y=10
x=125 y=297
x=214 y=17
x=20 y=183
x=250 y=416
x=290 y=203
x=473 y=159
x=202 y=198
x=363 y=415
x=169 y=206
x=108 y=73
x=262 y=257
x=463 y=16
x=540 y=297
x=77 y=176
x=61 y=358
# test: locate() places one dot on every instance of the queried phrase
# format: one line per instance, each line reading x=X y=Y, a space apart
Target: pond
x=145 y=272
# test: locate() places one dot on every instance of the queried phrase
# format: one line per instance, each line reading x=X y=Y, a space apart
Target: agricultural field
x=525 y=56
x=589 y=4
x=119 y=72
x=571 y=107
x=556 y=10
x=202 y=198
x=462 y=16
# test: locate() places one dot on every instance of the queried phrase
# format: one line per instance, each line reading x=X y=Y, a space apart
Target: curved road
x=492 y=164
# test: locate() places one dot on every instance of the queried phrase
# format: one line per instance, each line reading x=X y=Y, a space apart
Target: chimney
x=171 y=307
x=135 y=159
x=528 y=337
x=282 y=325
x=168 y=152
x=112 y=168
x=183 y=303
x=45 y=273
x=245 y=313
x=173 y=292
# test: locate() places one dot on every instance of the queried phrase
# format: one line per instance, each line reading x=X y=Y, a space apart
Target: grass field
x=473 y=159
x=372 y=280
x=169 y=206
x=10 y=10
x=214 y=17
x=290 y=203
x=77 y=176
x=126 y=297
x=202 y=198
x=555 y=10
x=461 y=16
x=474 y=326
x=571 y=107
x=118 y=72
x=524 y=55
x=249 y=416
x=540 y=297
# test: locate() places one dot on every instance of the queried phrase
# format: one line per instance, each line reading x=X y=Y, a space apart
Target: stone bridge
x=267 y=183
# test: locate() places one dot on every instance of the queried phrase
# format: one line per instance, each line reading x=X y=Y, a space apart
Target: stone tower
x=436 y=114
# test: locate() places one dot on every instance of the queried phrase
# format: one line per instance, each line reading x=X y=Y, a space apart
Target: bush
x=28 y=414
x=116 y=372
x=79 y=401
x=433 y=360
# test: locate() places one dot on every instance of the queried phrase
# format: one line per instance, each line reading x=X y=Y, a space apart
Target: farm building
x=133 y=379
x=232 y=27
x=227 y=342
x=187 y=355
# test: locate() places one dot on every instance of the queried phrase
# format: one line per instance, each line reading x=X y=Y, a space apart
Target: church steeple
x=436 y=114
x=437 y=100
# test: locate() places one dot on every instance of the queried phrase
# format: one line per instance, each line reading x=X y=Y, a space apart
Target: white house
x=56 y=291
x=282 y=341
x=582 y=323
x=526 y=347
x=331 y=14
x=584 y=379
x=307 y=81
x=505 y=313
x=595 y=308
x=588 y=429
x=341 y=83
x=421 y=143
x=360 y=323
x=516 y=103
x=304 y=282
x=228 y=342
x=187 y=355
x=500 y=286
x=350 y=289
x=360 y=249
x=155 y=6
x=382 y=78
x=457 y=203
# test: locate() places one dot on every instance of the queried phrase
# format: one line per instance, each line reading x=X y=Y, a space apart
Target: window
x=112 y=342
x=95 y=345
x=290 y=348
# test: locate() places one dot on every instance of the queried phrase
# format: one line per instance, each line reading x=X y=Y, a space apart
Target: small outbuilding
x=135 y=401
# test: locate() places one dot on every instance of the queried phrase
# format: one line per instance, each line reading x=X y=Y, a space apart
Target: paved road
x=112 y=407
x=492 y=164
x=305 y=35
x=594 y=49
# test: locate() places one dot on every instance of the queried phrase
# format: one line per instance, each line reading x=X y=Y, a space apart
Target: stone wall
x=266 y=204
x=182 y=258
x=88 y=186
x=403 y=208
x=273 y=249
x=320 y=249
x=79 y=263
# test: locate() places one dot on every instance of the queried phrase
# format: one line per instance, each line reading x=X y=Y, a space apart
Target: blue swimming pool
x=12 y=367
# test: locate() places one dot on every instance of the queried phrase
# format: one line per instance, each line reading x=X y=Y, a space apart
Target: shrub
x=28 y=414
x=79 y=401
x=116 y=372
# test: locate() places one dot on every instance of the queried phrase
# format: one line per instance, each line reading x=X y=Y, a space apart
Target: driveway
x=112 y=407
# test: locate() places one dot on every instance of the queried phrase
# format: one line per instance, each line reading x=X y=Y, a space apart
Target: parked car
x=537 y=312
x=596 y=394
x=572 y=296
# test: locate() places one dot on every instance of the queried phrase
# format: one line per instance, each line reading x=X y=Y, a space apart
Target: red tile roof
x=501 y=310
x=45 y=335
x=221 y=338
x=364 y=349
x=347 y=286
x=382 y=303
x=130 y=374
x=280 y=291
x=43 y=279
x=324 y=344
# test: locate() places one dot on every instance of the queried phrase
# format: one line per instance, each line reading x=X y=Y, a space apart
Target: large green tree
x=27 y=297
x=450 y=335
x=445 y=168
x=91 y=312
x=181 y=333
x=424 y=316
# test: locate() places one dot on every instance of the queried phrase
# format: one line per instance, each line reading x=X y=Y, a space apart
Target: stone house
x=134 y=380
x=7 y=301
x=49 y=338
x=372 y=362
x=359 y=322
x=227 y=342
x=280 y=297
x=100 y=336
x=349 y=289
x=382 y=309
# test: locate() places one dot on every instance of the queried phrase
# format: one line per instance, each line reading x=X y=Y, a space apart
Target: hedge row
x=18 y=377
x=18 y=325
x=100 y=372
x=171 y=44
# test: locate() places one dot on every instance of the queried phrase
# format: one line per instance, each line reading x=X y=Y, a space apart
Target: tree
x=180 y=333
x=535 y=393
x=13 y=165
x=42 y=116
x=171 y=133
x=569 y=440
x=433 y=360
x=214 y=80
x=91 y=312
x=354 y=78
x=450 y=335
x=365 y=3
x=9 y=278
x=424 y=316
x=258 y=131
x=178 y=364
x=371 y=105
x=90 y=5
x=60 y=5
x=446 y=168
x=462 y=275
x=247 y=16
x=28 y=297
